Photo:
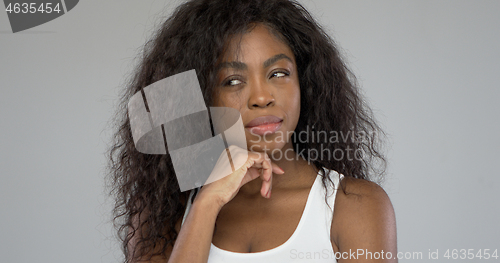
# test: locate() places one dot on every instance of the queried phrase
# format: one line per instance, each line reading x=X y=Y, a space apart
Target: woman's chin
x=269 y=148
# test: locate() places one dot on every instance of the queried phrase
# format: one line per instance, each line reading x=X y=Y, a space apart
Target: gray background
x=430 y=70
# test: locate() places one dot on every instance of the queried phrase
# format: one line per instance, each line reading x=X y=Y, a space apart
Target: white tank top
x=310 y=242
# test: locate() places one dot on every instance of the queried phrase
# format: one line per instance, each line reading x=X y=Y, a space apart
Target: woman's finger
x=277 y=169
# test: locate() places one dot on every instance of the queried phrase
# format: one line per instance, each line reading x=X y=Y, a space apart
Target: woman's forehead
x=259 y=38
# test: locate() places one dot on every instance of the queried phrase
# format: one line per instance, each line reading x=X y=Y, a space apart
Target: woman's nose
x=260 y=96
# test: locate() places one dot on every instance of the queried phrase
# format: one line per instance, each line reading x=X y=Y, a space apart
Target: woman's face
x=258 y=76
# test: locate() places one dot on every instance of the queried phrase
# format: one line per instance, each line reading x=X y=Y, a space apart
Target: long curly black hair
x=195 y=37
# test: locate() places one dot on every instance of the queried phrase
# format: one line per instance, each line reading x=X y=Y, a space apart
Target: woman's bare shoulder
x=363 y=217
x=360 y=191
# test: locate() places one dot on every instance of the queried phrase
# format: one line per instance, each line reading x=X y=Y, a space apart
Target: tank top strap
x=328 y=195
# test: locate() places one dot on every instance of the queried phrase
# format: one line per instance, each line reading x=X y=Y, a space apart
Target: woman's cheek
x=295 y=105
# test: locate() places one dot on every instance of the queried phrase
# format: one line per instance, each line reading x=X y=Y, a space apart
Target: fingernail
x=283 y=171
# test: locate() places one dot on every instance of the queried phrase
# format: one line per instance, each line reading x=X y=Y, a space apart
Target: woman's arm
x=195 y=236
x=364 y=224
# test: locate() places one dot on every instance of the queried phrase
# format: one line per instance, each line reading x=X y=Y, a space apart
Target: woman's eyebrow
x=234 y=64
x=242 y=66
x=275 y=58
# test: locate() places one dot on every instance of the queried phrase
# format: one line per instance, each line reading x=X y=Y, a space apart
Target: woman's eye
x=233 y=82
x=280 y=74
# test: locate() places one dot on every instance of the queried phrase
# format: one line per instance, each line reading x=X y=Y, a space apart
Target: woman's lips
x=264 y=125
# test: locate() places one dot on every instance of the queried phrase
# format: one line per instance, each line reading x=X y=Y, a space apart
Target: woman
x=308 y=134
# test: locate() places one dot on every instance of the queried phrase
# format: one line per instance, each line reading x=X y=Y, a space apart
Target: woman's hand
x=257 y=164
x=195 y=235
